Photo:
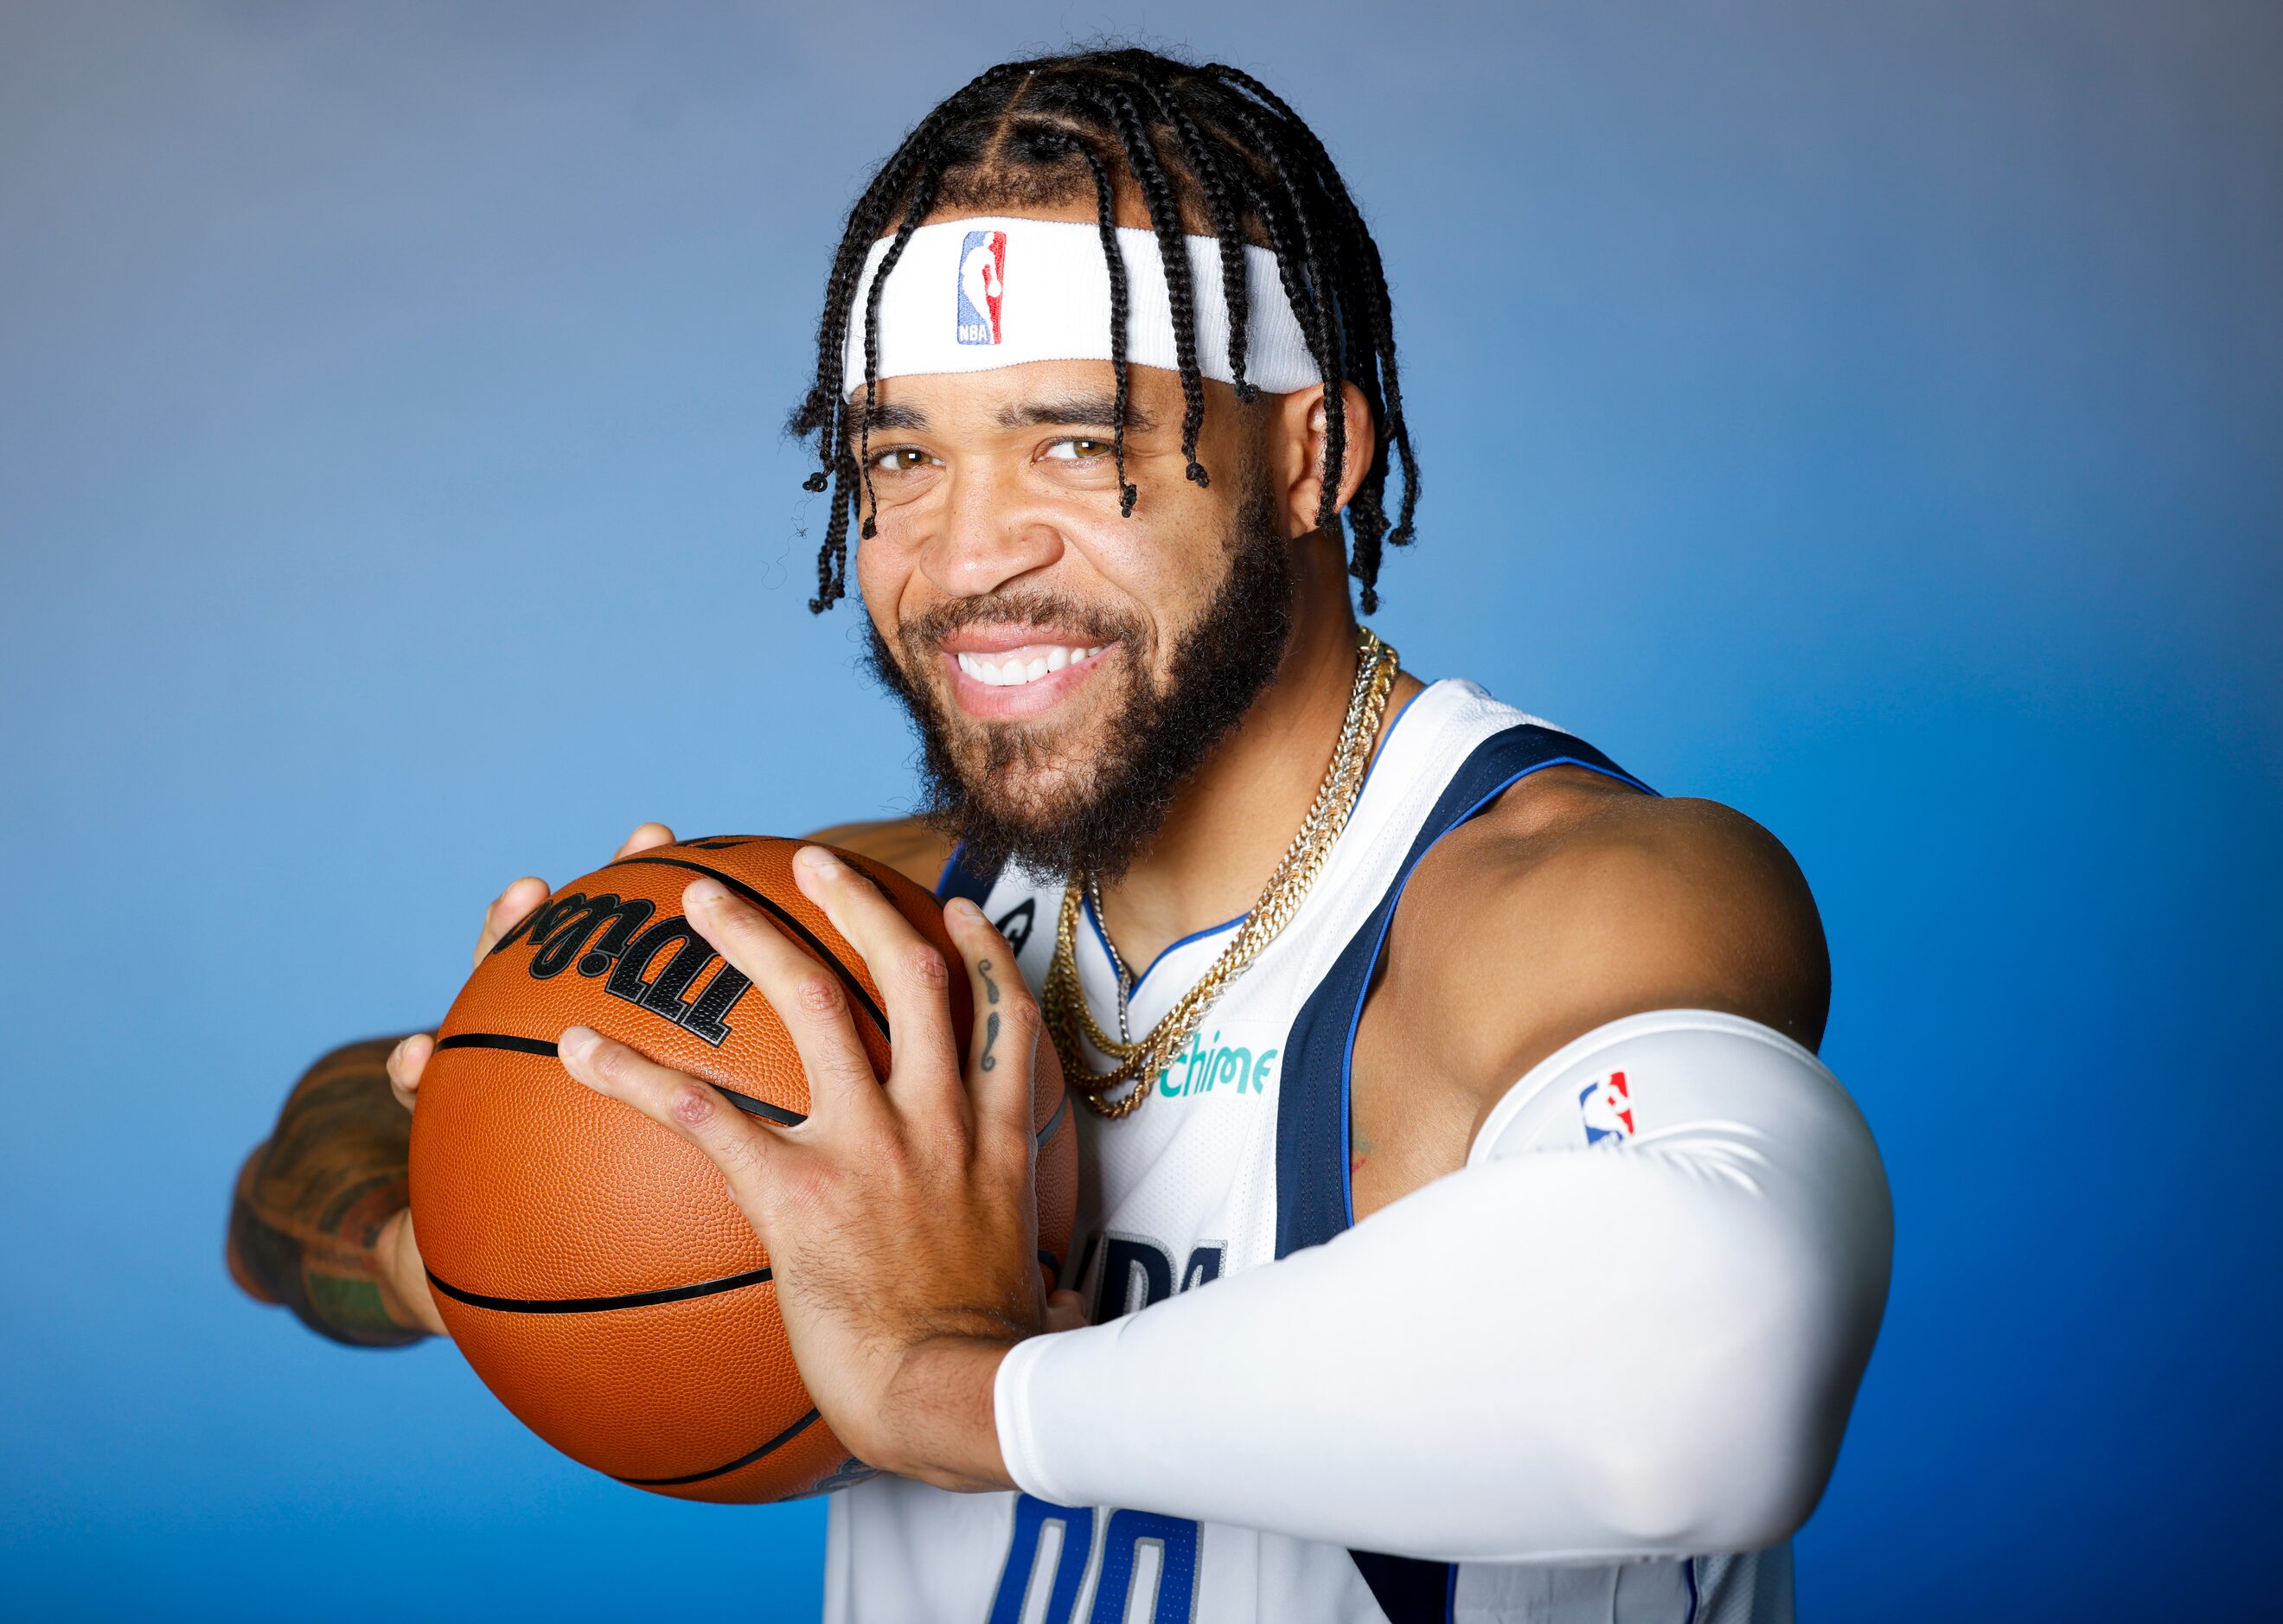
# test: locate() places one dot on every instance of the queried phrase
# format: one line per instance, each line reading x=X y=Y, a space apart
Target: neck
x=1233 y=821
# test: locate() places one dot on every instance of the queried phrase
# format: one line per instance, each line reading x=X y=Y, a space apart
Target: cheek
x=884 y=574
x=1168 y=565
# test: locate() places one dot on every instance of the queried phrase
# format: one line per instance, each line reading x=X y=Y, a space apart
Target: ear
x=1300 y=435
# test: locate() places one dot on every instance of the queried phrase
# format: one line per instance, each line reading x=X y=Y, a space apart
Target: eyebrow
x=888 y=417
x=1054 y=411
x=1073 y=411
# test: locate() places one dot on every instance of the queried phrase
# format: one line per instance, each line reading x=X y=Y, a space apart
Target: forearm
x=312 y=1203
x=1571 y=1354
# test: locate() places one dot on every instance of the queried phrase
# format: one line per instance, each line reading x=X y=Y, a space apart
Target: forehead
x=1033 y=394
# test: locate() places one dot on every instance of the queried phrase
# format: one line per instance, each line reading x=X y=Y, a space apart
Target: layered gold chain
x=1063 y=999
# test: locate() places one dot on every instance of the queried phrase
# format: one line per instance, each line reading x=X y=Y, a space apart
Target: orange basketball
x=591 y=1265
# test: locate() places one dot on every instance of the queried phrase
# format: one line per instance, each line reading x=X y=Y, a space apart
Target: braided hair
x=1209 y=144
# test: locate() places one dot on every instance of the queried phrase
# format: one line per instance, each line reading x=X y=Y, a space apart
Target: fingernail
x=960 y=908
x=706 y=893
x=576 y=1042
x=817 y=859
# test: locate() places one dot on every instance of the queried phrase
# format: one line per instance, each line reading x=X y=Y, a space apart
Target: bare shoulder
x=1575 y=901
x=1609 y=901
x=905 y=844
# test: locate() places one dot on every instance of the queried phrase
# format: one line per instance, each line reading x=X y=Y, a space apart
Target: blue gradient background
x=1867 y=416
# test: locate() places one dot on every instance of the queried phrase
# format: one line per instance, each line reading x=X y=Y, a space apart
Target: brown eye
x=1078 y=450
x=903 y=459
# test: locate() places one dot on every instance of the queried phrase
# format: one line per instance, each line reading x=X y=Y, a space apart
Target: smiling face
x=1069 y=668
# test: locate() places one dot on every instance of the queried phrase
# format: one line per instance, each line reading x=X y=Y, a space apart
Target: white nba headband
x=969 y=295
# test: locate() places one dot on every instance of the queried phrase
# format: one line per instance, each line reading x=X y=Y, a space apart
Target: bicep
x=1649 y=905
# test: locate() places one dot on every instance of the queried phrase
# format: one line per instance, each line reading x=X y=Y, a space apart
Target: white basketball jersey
x=1239 y=1157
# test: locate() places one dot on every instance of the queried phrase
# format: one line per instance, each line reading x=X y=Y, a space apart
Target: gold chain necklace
x=1063 y=999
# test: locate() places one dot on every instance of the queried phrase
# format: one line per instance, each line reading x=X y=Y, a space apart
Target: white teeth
x=1009 y=673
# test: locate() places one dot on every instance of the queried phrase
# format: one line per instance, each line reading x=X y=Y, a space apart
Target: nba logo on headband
x=982 y=285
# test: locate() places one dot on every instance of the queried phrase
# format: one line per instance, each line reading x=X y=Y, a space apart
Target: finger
x=806 y=996
x=735 y=1142
x=909 y=970
x=1066 y=1311
x=406 y=1275
x=1004 y=1048
x=645 y=836
x=405 y=1062
x=512 y=908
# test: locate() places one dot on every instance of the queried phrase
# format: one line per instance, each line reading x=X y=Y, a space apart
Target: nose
x=992 y=533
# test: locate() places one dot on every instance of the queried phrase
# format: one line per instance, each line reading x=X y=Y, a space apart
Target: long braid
x=850 y=474
x=826 y=403
x=1173 y=251
x=1381 y=338
x=1323 y=334
x=923 y=195
x=1106 y=219
x=825 y=412
x=1204 y=164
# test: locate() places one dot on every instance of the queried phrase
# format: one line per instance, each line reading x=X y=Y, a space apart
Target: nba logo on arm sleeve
x=982 y=285
x=1607 y=1105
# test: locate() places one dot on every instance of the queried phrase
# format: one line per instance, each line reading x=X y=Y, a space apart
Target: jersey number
x=1130 y=1540
x=1135 y=1272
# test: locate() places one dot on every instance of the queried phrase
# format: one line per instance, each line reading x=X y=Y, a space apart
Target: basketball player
x=1467 y=1229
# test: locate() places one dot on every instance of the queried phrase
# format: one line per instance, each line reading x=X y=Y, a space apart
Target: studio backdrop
x=1867 y=416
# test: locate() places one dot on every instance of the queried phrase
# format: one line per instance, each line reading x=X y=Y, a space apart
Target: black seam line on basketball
x=777 y=1442
x=777 y=912
x=597 y=1305
x=763 y=1109
x=1054 y=1121
x=542 y=1047
x=546 y=1051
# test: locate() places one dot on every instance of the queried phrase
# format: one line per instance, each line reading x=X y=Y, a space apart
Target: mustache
x=1032 y=608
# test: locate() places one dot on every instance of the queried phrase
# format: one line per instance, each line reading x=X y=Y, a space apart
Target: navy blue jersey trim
x=1085 y=905
x=1408 y=1589
x=1314 y=1200
x=958 y=879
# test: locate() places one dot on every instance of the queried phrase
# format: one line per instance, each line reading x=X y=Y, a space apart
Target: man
x=1466 y=1228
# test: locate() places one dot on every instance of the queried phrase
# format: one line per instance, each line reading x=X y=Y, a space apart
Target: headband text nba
x=969 y=295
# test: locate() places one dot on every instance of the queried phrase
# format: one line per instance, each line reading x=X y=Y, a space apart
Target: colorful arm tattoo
x=311 y=1201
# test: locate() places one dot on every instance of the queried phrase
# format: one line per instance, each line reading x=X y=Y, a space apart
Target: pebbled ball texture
x=591 y=1265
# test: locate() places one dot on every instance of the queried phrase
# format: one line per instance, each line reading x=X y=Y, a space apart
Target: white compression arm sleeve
x=1632 y=1325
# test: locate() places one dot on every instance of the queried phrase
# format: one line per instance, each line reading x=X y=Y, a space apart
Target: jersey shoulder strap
x=1313 y=1198
x=959 y=879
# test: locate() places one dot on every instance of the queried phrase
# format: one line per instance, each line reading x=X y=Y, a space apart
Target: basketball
x=590 y=1264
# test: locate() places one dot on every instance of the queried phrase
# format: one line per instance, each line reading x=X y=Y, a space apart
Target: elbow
x=1741 y=1437
x=1752 y=1498
x=1715 y=1494
x=1723 y=1489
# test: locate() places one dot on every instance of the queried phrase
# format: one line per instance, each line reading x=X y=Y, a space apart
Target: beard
x=1053 y=804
